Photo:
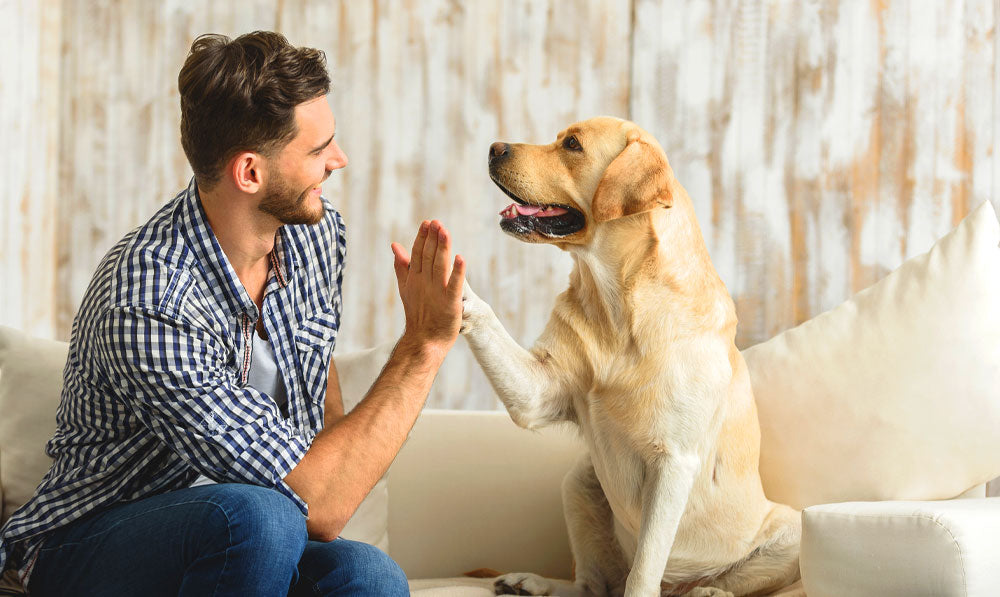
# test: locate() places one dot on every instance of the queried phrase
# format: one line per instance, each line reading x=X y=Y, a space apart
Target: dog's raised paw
x=473 y=309
x=521 y=583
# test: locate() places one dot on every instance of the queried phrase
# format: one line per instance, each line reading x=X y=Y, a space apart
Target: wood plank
x=29 y=92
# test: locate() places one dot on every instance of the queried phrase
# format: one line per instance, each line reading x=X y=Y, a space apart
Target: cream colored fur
x=639 y=353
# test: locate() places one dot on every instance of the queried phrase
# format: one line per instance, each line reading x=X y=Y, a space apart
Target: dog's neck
x=665 y=245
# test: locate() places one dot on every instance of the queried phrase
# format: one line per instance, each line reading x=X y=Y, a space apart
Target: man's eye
x=572 y=144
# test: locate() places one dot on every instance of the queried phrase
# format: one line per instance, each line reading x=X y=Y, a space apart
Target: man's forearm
x=349 y=457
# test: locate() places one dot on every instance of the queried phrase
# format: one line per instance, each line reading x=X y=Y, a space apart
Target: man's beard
x=287 y=206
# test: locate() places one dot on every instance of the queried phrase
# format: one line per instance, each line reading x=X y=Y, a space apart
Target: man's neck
x=245 y=234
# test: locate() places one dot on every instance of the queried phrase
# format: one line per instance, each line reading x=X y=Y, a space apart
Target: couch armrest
x=933 y=548
x=472 y=490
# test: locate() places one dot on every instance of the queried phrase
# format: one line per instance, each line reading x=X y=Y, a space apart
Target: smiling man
x=201 y=446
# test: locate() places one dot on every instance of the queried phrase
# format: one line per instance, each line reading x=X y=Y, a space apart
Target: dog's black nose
x=498 y=150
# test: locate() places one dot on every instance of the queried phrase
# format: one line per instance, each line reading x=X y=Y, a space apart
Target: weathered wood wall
x=823 y=142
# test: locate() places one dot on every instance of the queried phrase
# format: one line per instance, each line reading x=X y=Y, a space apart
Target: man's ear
x=636 y=181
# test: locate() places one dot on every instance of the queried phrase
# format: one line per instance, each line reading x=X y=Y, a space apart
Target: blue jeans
x=227 y=539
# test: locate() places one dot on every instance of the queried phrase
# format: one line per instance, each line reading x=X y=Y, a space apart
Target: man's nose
x=498 y=151
x=338 y=159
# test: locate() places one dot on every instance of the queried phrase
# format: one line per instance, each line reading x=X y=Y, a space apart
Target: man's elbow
x=326 y=525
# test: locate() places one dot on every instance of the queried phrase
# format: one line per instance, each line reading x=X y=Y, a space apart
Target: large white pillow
x=357 y=370
x=31 y=382
x=895 y=394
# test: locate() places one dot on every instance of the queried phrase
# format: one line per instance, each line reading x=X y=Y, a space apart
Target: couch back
x=472 y=490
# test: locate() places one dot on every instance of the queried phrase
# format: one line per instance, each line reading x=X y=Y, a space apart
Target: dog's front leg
x=527 y=386
x=665 y=489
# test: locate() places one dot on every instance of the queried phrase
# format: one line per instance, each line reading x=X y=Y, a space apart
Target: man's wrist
x=429 y=351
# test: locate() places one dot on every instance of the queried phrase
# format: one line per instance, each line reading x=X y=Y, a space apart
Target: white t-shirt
x=263 y=377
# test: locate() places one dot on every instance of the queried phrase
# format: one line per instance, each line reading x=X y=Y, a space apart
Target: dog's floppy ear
x=636 y=181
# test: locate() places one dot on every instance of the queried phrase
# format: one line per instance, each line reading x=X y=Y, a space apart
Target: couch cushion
x=895 y=394
x=30 y=383
x=912 y=549
x=452 y=587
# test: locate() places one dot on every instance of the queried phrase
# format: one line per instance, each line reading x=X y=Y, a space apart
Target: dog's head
x=596 y=171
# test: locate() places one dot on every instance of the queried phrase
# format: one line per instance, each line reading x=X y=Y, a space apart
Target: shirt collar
x=283 y=260
x=223 y=281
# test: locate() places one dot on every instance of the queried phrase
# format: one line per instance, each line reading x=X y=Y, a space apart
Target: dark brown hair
x=240 y=95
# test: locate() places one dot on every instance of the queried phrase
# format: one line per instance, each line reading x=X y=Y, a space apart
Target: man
x=201 y=446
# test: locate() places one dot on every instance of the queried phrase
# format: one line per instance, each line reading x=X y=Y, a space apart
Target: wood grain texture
x=29 y=96
x=822 y=141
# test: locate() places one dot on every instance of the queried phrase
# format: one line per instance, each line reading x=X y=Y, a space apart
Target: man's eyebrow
x=321 y=147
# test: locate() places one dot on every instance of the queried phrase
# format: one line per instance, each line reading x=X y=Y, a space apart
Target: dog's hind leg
x=774 y=564
x=601 y=568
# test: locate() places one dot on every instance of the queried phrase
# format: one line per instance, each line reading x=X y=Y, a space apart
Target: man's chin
x=304 y=217
x=313 y=209
x=308 y=210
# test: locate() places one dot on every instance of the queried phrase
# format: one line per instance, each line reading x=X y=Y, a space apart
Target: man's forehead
x=315 y=121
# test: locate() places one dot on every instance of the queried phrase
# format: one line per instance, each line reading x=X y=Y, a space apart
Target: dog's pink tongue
x=512 y=211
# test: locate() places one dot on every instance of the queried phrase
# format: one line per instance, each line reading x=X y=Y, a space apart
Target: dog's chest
x=641 y=405
x=617 y=465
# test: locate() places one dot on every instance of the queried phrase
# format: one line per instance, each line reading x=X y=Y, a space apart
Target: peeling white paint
x=821 y=141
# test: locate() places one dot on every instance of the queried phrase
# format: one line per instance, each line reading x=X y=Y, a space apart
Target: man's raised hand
x=430 y=287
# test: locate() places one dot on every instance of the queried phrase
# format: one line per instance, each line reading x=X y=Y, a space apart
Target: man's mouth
x=522 y=218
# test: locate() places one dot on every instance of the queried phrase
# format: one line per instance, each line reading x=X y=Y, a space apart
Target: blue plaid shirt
x=154 y=390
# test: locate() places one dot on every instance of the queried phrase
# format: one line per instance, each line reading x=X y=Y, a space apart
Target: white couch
x=469 y=490
x=872 y=416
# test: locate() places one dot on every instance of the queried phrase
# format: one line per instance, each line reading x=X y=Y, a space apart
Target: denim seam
x=313 y=584
x=225 y=562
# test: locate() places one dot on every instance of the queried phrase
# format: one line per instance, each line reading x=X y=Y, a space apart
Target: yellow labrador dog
x=639 y=353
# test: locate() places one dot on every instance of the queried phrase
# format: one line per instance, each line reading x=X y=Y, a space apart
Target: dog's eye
x=572 y=144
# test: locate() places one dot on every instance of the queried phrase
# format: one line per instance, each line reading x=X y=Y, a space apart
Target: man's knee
x=258 y=517
x=351 y=565
x=383 y=573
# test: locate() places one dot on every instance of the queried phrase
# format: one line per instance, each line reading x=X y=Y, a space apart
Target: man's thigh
x=223 y=539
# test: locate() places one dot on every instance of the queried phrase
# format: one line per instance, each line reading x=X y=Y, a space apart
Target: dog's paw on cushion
x=895 y=394
x=522 y=583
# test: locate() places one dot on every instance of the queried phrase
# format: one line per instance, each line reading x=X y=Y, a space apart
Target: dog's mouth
x=522 y=218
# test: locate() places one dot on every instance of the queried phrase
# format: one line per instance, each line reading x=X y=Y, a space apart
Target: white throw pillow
x=895 y=394
x=357 y=370
x=30 y=384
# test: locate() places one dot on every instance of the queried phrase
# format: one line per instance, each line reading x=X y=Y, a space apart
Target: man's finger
x=430 y=247
x=400 y=262
x=442 y=258
x=416 y=255
x=457 y=280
